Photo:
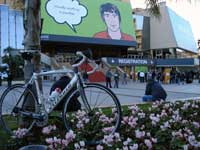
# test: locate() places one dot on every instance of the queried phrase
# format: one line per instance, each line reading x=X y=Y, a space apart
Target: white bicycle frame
x=40 y=97
x=74 y=80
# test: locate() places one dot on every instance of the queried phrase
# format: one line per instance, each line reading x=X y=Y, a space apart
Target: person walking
x=9 y=79
x=141 y=75
x=108 y=78
x=124 y=80
x=116 y=78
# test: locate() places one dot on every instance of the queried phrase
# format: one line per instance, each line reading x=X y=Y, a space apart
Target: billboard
x=88 y=21
x=182 y=32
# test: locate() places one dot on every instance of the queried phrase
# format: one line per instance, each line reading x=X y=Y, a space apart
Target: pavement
x=132 y=92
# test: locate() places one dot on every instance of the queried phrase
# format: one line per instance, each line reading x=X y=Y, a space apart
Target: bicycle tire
x=10 y=120
x=92 y=130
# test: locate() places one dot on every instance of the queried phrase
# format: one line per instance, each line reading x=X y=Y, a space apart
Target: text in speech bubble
x=70 y=12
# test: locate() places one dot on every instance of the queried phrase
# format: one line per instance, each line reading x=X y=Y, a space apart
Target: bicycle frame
x=75 y=80
x=65 y=91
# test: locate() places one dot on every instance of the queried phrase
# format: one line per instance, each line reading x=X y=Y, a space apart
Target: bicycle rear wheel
x=12 y=102
x=103 y=116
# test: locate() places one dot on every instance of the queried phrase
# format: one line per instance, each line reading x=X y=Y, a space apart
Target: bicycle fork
x=85 y=101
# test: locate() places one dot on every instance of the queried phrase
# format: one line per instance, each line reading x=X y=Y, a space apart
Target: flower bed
x=160 y=126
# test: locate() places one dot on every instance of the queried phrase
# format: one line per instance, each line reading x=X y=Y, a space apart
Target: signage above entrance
x=128 y=62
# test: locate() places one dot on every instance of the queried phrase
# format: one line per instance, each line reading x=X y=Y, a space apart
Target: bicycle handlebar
x=83 y=59
x=94 y=69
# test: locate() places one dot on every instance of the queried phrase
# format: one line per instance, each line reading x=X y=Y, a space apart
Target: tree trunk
x=31 y=42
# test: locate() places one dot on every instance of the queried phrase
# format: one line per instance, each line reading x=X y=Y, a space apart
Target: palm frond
x=153 y=7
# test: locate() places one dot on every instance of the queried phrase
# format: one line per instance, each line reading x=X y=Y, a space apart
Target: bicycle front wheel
x=13 y=101
x=99 y=114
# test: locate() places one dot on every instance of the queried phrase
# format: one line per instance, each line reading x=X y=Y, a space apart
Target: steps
x=98 y=76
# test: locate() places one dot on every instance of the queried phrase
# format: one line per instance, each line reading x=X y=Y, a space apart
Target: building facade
x=11 y=29
x=170 y=36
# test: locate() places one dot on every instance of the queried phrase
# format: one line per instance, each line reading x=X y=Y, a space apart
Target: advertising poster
x=88 y=21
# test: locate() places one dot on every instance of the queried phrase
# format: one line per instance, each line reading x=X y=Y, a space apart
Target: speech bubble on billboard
x=70 y=12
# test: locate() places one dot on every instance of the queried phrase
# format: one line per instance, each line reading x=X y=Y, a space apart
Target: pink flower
x=139 y=134
x=154 y=140
x=108 y=130
x=82 y=143
x=77 y=146
x=134 y=147
x=196 y=124
x=99 y=147
x=125 y=147
x=148 y=143
x=49 y=140
x=65 y=142
x=125 y=120
x=20 y=133
x=108 y=139
x=70 y=136
x=48 y=129
x=117 y=136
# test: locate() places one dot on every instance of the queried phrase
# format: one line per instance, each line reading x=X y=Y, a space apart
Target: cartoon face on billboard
x=110 y=14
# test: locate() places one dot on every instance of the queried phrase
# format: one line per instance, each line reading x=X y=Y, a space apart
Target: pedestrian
x=124 y=76
x=116 y=78
x=182 y=78
x=108 y=78
x=141 y=75
x=154 y=91
x=9 y=79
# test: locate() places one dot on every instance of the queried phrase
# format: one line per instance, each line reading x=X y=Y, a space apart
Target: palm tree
x=153 y=7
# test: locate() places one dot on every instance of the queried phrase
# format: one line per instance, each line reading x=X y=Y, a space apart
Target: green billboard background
x=90 y=23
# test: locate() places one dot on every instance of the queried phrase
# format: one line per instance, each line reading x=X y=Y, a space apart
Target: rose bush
x=156 y=126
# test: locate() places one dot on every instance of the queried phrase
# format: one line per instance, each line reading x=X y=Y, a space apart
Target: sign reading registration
x=129 y=62
x=89 y=21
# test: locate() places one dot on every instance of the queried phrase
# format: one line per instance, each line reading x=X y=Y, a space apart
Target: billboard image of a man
x=111 y=16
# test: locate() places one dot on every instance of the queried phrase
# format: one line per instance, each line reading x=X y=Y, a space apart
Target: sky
x=189 y=11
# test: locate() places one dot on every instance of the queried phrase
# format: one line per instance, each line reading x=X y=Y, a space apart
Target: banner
x=87 y=21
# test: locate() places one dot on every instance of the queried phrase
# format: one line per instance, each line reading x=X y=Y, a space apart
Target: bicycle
x=100 y=108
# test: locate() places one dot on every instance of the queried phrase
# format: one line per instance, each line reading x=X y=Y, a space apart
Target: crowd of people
x=154 y=80
x=116 y=76
x=174 y=77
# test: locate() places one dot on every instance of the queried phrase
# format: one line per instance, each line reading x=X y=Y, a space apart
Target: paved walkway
x=132 y=92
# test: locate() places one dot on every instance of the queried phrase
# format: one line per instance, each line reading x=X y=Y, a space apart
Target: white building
x=11 y=29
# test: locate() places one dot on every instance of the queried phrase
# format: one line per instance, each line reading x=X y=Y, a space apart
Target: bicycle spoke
x=100 y=119
x=13 y=98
